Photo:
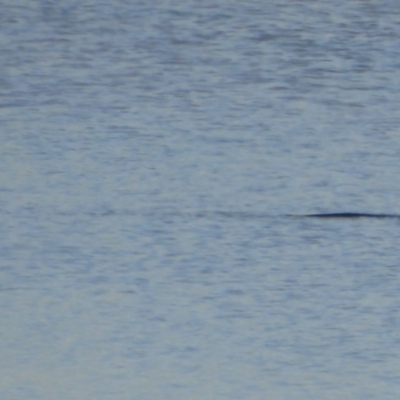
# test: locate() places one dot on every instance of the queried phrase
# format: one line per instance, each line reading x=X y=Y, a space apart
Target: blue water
x=152 y=156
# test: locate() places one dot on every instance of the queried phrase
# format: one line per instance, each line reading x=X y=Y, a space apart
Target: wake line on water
x=351 y=215
x=339 y=215
x=348 y=215
x=242 y=215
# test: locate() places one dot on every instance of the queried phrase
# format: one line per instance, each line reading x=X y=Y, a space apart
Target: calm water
x=151 y=154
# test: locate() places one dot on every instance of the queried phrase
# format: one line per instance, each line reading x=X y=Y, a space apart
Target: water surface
x=152 y=157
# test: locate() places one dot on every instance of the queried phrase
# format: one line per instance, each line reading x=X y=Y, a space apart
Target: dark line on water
x=351 y=215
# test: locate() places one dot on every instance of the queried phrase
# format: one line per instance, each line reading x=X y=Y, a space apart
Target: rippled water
x=153 y=155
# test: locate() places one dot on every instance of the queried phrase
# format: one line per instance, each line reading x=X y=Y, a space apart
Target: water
x=151 y=156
